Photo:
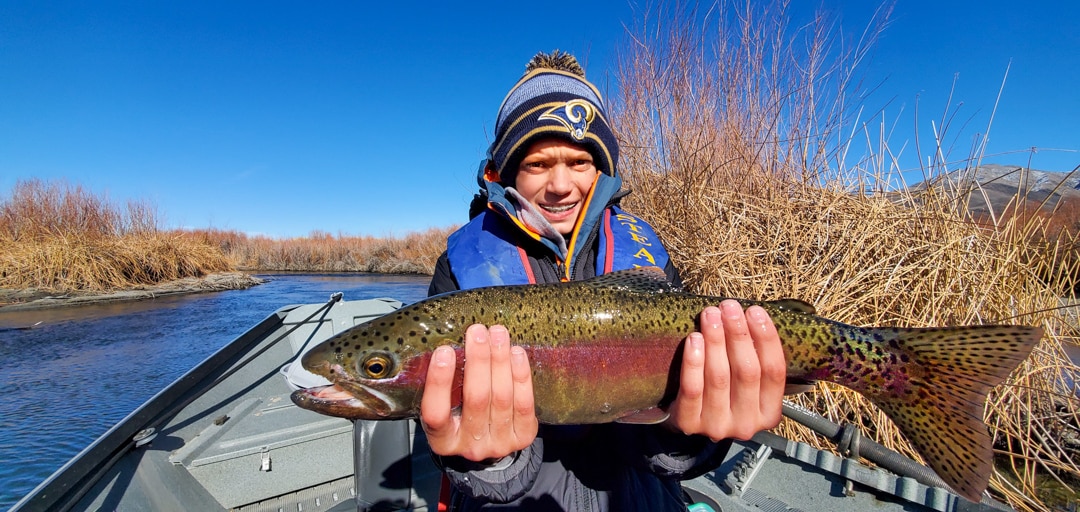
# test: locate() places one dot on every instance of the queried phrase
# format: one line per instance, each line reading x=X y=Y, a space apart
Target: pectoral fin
x=650 y=416
x=794 y=387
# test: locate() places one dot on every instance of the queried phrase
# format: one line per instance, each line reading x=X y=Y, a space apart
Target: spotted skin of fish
x=609 y=349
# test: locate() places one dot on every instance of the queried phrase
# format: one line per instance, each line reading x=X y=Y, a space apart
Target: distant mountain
x=1054 y=196
x=993 y=187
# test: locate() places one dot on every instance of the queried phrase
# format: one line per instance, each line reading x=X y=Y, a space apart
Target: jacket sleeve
x=501 y=482
x=442 y=280
x=670 y=454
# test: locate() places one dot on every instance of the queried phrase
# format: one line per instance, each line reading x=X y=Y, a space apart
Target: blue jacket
x=485 y=252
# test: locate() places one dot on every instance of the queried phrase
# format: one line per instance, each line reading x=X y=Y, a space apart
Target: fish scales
x=609 y=349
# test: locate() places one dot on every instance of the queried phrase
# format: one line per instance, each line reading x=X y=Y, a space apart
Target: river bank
x=20 y=300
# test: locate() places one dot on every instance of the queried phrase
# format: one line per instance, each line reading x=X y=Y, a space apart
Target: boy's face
x=555 y=176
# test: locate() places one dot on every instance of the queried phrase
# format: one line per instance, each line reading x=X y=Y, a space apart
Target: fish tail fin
x=940 y=409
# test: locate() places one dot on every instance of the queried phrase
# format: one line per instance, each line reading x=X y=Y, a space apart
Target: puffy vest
x=484 y=251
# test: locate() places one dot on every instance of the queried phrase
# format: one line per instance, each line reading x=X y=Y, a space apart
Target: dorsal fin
x=640 y=279
x=795 y=305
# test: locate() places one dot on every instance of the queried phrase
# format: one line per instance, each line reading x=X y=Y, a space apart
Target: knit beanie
x=552 y=99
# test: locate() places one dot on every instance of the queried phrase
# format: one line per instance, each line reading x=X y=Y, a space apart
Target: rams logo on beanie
x=575 y=115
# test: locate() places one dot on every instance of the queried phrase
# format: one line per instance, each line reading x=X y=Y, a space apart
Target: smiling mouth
x=558 y=208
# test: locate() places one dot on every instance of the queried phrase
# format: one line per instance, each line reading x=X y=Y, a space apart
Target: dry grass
x=735 y=134
x=1055 y=224
x=58 y=236
x=414 y=253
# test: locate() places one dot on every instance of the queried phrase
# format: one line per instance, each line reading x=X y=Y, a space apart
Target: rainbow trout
x=609 y=349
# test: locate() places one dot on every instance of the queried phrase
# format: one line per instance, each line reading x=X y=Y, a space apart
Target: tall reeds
x=59 y=236
x=736 y=134
x=319 y=251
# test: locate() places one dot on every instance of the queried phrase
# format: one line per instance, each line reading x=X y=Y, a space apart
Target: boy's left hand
x=733 y=375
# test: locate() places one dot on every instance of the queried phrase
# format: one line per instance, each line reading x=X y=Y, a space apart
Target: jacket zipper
x=571 y=269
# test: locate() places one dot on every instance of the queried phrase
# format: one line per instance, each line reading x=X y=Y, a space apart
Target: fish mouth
x=334 y=400
x=344 y=398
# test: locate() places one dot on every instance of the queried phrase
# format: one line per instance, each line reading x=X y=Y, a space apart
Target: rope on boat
x=333 y=299
x=853 y=445
x=324 y=309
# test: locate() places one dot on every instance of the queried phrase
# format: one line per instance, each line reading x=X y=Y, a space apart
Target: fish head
x=377 y=370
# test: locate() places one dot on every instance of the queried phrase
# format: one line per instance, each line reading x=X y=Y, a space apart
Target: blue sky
x=279 y=118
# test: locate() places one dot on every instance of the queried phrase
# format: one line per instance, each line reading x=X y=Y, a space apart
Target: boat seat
x=393 y=467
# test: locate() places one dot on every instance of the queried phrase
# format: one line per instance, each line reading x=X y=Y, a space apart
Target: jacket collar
x=605 y=190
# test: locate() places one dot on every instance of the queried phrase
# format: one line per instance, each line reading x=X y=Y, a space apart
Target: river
x=68 y=380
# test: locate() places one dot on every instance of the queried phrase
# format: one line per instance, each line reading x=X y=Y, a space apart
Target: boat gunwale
x=66 y=486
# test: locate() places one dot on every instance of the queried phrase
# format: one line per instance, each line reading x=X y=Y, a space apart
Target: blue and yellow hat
x=553 y=99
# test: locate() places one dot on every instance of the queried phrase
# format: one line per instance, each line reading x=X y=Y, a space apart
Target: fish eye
x=376 y=367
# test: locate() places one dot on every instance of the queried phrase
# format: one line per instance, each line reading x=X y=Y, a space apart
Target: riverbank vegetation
x=413 y=253
x=739 y=139
x=60 y=237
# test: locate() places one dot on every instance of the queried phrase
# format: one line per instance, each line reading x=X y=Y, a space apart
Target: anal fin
x=650 y=416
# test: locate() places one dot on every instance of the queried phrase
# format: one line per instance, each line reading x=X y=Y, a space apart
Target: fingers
x=435 y=403
x=692 y=379
x=476 y=387
x=719 y=337
x=773 y=363
x=497 y=412
x=733 y=374
x=702 y=404
x=525 y=422
x=501 y=413
x=743 y=390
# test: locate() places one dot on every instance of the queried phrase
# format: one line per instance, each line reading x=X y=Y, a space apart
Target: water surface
x=84 y=368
